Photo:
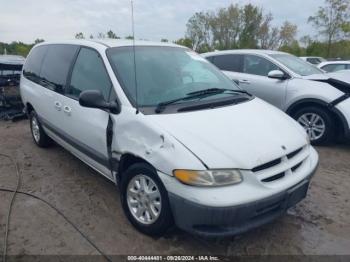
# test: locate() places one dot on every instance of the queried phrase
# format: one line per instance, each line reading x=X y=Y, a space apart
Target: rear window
x=334 y=67
x=33 y=63
x=228 y=62
x=314 y=61
x=56 y=65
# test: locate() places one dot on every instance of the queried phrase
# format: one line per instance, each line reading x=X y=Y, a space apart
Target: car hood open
x=239 y=136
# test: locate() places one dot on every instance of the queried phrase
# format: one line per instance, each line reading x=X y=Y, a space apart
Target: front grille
x=273 y=178
x=294 y=153
x=294 y=168
x=267 y=165
x=281 y=167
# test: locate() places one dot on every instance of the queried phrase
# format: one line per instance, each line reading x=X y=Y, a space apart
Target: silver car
x=319 y=102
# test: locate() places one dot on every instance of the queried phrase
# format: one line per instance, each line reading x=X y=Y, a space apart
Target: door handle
x=67 y=110
x=58 y=106
x=244 y=81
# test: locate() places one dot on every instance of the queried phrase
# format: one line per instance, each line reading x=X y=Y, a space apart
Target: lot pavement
x=318 y=225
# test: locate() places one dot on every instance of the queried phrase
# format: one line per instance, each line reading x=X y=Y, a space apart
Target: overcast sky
x=26 y=20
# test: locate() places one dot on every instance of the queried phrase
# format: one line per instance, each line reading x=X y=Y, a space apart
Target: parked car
x=10 y=72
x=334 y=66
x=314 y=60
x=319 y=102
x=182 y=141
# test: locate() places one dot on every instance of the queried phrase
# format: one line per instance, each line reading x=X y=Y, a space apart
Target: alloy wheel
x=35 y=129
x=313 y=124
x=144 y=199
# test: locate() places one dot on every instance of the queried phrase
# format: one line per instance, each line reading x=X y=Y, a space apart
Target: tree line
x=248 y=26
x=110 y=34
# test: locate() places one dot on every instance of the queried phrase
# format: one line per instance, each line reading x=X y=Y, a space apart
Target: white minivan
x=184 y=144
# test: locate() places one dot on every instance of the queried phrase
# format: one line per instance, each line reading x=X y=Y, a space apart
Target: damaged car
x=318 y=101
x=184 y=144
x=10 y=100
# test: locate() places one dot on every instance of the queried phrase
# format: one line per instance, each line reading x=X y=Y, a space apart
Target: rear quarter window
x=32 y=67
x=228 y=62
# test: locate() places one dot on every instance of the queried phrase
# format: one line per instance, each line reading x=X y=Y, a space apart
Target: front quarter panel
x=136 y=135
x=299 y=89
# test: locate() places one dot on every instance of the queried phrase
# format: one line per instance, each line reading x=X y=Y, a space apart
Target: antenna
x=134 y=52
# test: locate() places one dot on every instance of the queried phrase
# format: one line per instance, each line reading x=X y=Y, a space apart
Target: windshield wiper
x=161 y=106
x=216 y=91
x=197 y=94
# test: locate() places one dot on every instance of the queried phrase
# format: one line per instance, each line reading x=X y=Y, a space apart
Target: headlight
x=209 y=177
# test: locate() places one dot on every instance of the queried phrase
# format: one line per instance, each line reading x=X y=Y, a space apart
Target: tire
x=39 y=136
x=320 y=126
x=133 y=199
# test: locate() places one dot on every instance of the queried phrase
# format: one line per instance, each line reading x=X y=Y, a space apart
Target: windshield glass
x=164 y=74
x=297 y=65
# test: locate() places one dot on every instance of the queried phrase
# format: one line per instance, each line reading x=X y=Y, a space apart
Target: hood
x=316 y=77
x=239 y=136
x=341 y=75
x=339 y=80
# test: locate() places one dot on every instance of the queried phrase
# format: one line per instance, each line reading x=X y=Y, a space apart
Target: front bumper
x=343 y=112
x=227 y=221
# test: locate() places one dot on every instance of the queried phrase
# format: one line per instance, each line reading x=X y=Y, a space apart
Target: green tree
x=184 y=42
x=129 y=37
x=225 y=27
x=293 y=48
x=331 y=20
x=268 y=36
x=288 y=34
x=252 y=18
x=163 y=40
x=198 y=29
x=79 y=35
x=38 y=41
x=112 y=35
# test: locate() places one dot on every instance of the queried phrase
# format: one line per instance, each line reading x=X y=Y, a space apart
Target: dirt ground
x=319 y=225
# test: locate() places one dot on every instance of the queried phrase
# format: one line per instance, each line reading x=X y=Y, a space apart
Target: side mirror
x=277 y=74
x=95 y=99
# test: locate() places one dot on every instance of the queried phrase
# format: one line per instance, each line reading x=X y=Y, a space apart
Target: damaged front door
x=86 y=127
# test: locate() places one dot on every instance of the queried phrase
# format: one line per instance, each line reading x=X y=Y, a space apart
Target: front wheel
x=145 y=200
x=317 y=123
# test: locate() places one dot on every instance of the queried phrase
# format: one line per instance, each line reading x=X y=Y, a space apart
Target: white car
x=334 y=66
x=314 y=60
x=182 y=141
x=318 y=101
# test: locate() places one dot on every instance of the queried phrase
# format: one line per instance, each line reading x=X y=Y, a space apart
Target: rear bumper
x=227 y=221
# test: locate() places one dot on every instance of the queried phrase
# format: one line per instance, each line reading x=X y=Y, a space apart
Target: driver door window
x=89 y=73
x=256 y=65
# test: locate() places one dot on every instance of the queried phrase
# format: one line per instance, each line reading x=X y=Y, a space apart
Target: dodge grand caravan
x=184 y=144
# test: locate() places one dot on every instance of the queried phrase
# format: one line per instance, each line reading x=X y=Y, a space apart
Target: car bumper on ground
x=227 y=221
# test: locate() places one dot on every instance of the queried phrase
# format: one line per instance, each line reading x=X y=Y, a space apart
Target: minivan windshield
x=297 y=65
x=167 y=74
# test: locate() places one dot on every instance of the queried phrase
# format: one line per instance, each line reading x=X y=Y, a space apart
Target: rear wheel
x=39 y=136
x=145 y=200
x=317 y=123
